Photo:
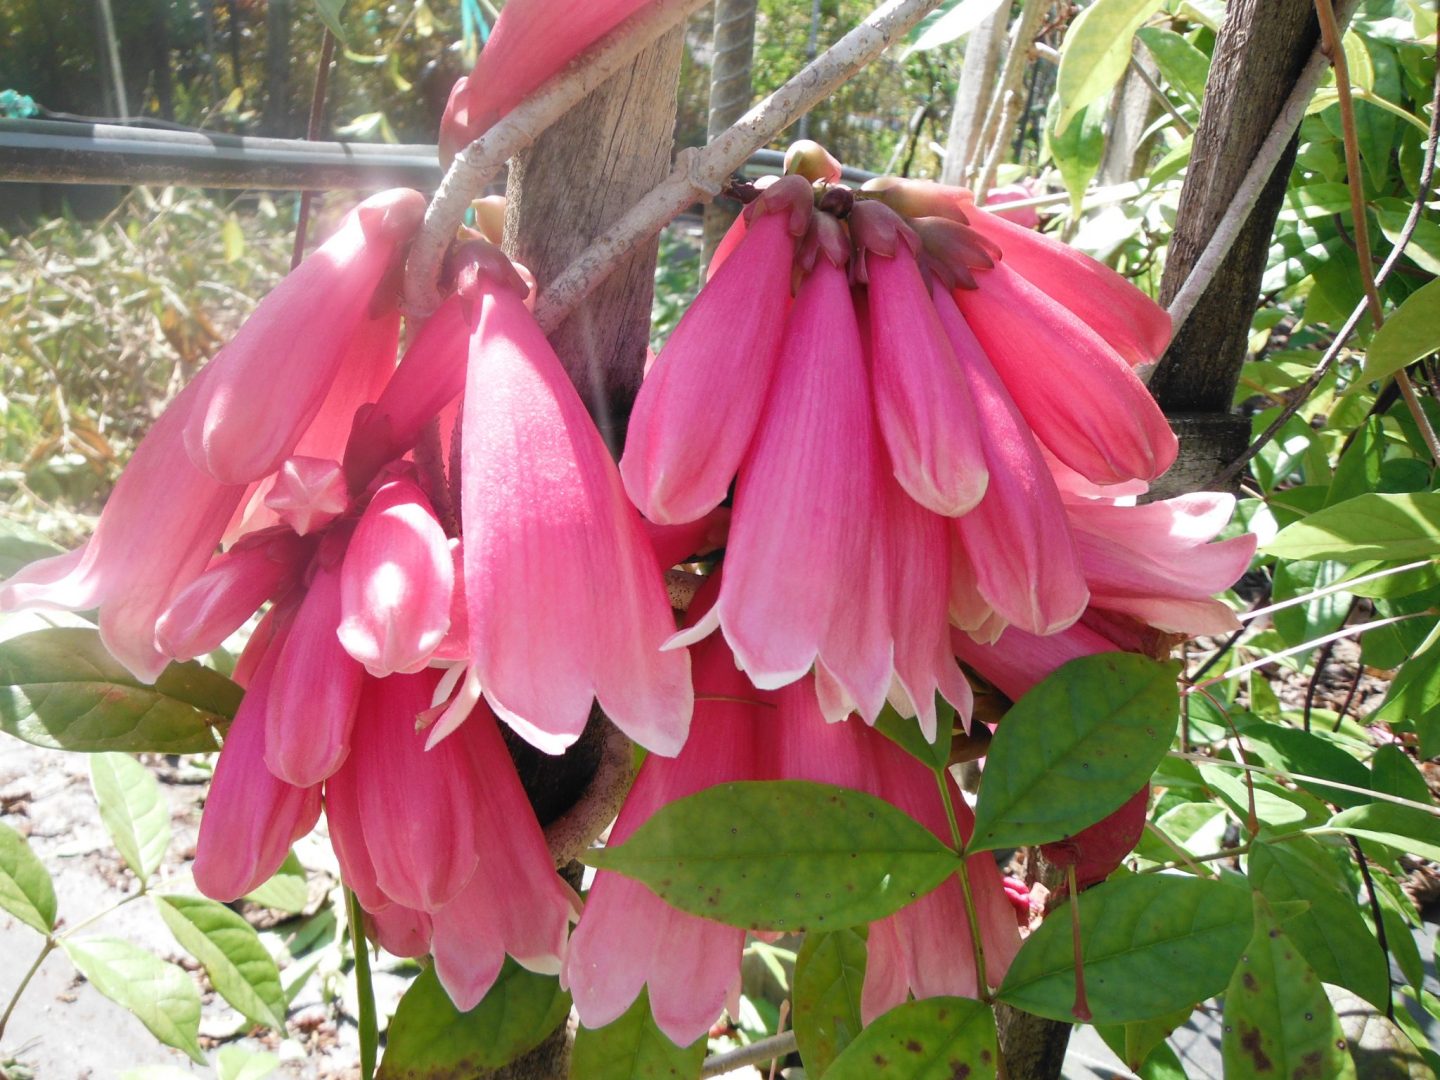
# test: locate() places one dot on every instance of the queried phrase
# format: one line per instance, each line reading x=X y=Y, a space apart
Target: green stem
x=45 y=951
x=1229 y=853
x=1190 y=862
x=982 y=982
x=101 y=914
x=364 y=989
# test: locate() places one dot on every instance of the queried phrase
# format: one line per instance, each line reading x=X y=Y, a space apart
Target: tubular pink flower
x=1134 y=325
x=1017 y=660
x=268 y=384
x=543 y=510
x=808 y=495
x=1156 y=562
x=1026 y=217
x=396 y=584
x=627 y=936
x=416 y=807
x=699 y=407
x=308 y=493
x=1078 y=396
x=532 y=40
x=400 y=931
x=156 y=535
x=515 y=903
x=969 y=611
x=251 y=818
x=922 y=402
x=1017 y=540
x=918 y=577
x=316 y=685
x=347 y=836
x=260 y=567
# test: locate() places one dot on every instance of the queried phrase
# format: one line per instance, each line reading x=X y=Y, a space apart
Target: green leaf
x=904 y=731
x=240 y=969
x=1184 y=66
x=286 y=890
x=1409 y=334
x=1405 y=828
x=1392 y=772
x=951 y=22
x=1401 y=527
x=329 y=12
x=1278 y=1020
x=633 y=1048
x=1153 y=944
x=26 y=890
x=133 y=809
x=1074 y=749
x=1330 y=934
x=232 y=238
x=162 y=996
x=237 y=1063
x=1276 y=806
x=1095 y=52
x=845 y=857
x=937 y=1038
x=829 y=975
x=1134 y=1043
x=60 y=689
x=429 y=1037
x=1378 y=1046
x=1304 y=752
x=1078 y=152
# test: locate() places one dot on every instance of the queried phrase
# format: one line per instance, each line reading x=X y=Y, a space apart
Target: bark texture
x=582 y=174
x=730 y=92
x=1261 y=48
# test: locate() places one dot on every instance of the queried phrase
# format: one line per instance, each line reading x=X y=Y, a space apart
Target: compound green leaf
x=60 y=689
x=829 y=975
x=430 y=1038
x=1152 y=944
x=26 y=890
x=1096 y=51
x=162 y=996
x=845 y=857
x=240 y=968
x=1074 y=749
x=633 y=1048
x=1330 y=934
x=936 y=1038
x=1278 y=1021
x=134 y=810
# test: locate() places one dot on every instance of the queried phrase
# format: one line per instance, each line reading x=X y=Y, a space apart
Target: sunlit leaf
x=240 y=969
x=162 y=996
x=26 y=890
x=936 y=1038
x=1096 y=51
x=829 y=976
x=633 y=1048
x=133 y=809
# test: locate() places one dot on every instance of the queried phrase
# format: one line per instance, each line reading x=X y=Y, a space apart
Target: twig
x=1184 y=126
x=1305 y=778
x=576 y=829
x=45 y=951
x=478 y=163
x=312 y=132
x=700 y=173
x=1299 y=397
x=1343 y=586
x=1330 y=38
x=1258 y=175
x=1349 y=631
x=758 y=1052
x=1007 y=82
x=1375 y=914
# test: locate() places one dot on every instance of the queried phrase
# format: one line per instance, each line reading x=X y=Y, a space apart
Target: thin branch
x=1330 y=37
x=1375 y=914
x=478 y=163
x=1184 y=126
x=757 y=1053
x=1299 y=397
x=1027 y=27
x=1319 y=781
x=577 y=828
x=1349 y=631
x=312 y=132
x=1343 y=586
x=700 y=173
x=1266 y=158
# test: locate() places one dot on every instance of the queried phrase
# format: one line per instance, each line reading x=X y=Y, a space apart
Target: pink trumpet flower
x=156 y=535
x=627 y=936
x=1020 y=552
x=396 y=583
x=532 y=40
x=698 y=409
x=1016 y=661
x=1155 y=562
x=251 y=818
x=268 y=384
x=566 y=603
x=808 y=494
x=922 y=402
x=316 y=685
x=1079 y=397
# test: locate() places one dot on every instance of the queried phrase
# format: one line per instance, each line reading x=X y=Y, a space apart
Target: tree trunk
x=587 y=170
x=1260 y=51
x=730 y=92
x=977 y=83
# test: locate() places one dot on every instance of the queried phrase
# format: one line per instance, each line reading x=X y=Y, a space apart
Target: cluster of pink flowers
x=913 y=427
